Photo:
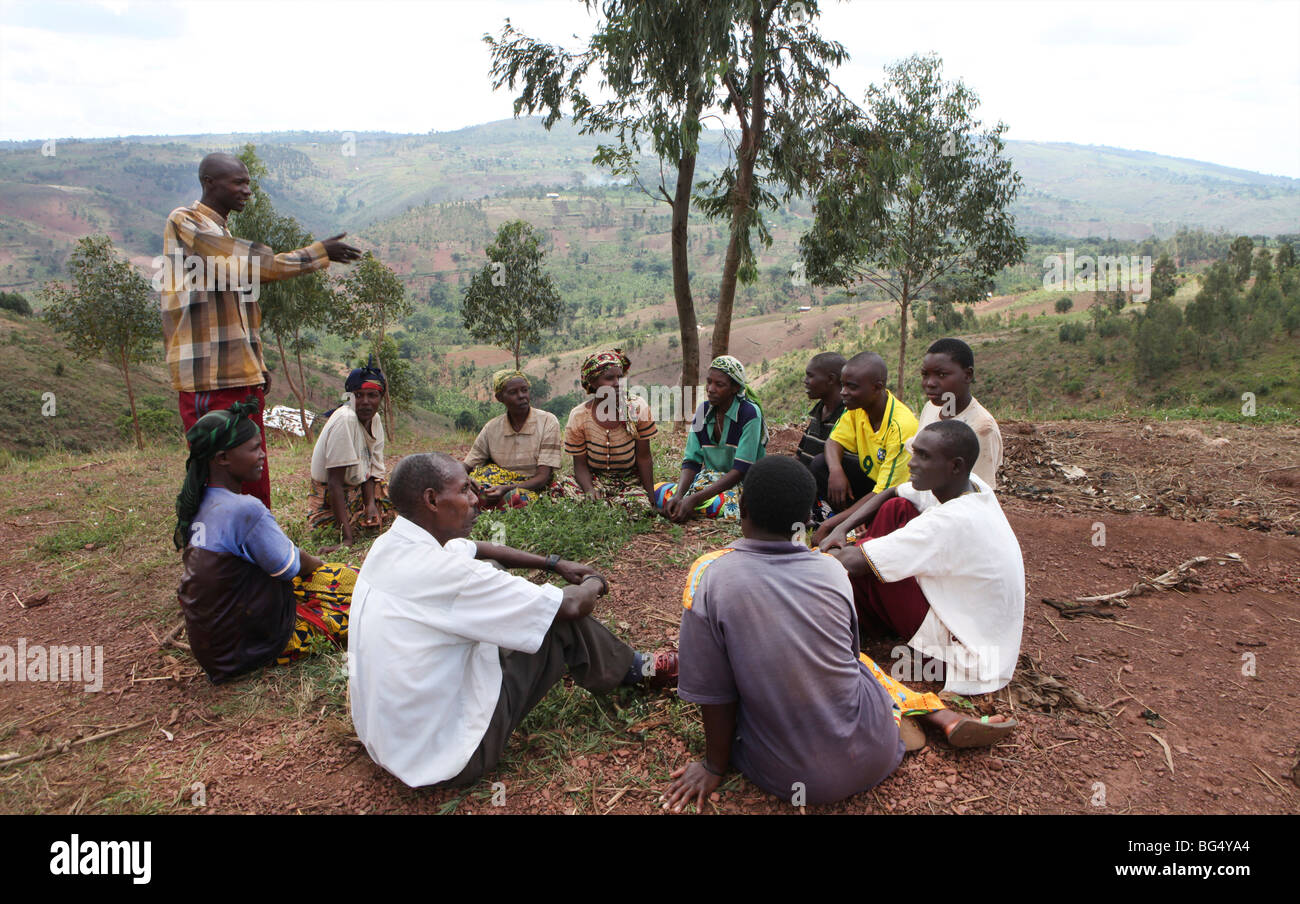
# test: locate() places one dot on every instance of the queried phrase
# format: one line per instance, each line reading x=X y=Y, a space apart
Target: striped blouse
x=608 y=450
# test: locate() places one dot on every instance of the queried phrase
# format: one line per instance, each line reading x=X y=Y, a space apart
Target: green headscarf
x=734 y=369
x=215 y=432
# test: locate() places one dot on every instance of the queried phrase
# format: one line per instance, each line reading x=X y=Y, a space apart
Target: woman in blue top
x=727 y=436
x=249 y=595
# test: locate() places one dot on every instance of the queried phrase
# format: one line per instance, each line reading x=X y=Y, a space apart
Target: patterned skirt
x=620 y=488
x=725 y=506
x=490 y=475
x=324 y=599
x=319 y=511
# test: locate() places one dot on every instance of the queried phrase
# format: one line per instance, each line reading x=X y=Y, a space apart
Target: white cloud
x=1210 y=81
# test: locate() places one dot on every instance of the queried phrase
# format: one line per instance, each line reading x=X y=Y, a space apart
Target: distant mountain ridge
x=332 y=181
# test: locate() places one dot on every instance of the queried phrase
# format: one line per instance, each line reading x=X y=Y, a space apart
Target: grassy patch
x=579 y=530
x=109 y=530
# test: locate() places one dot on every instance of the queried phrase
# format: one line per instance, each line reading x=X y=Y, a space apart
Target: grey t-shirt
x=771 y=625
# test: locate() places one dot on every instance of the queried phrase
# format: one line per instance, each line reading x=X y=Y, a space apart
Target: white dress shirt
x=424 y=637
x=967 y=560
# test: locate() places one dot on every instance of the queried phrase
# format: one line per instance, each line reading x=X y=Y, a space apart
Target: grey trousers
x=597 y=660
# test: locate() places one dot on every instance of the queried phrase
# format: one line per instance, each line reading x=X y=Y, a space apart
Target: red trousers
x=196 y=404
x=899 y=606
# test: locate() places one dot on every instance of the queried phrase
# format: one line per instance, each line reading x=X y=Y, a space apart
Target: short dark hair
x=778 y=493
x=419 y=472
x=872 y=363
x=954 y=348
x=957 y=440
x=828 y=363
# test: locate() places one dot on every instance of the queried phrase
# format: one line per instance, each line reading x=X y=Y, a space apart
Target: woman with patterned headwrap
x=249 y=595
x=517 y=453
x=609 y=435
x=347 y=464
x=727 y=436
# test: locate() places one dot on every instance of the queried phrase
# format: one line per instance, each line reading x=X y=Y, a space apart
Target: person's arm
x=580 y=599
x=837 y=482
x=371 y=510
x=582 y=474
x=677 y=510
x=309 y=564
x=833 y=534
x=645 y=468
x=339 y=502
x=694 y=783
x=509 y=557
x=538 y=480
x=270 y=266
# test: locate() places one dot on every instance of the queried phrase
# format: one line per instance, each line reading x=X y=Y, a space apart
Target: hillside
x=363 y=182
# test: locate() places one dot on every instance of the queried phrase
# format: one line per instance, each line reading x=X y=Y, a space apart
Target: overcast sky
x=1213 y=81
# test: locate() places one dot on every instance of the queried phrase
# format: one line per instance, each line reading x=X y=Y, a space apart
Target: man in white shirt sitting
x=449 y=653
x=940 y=565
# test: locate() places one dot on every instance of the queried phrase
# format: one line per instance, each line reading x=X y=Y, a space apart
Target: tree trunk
x=743 y=190
x=130 y=396
x=302 y=383
x=902 y=341
x=288 y=378
x=686 y=322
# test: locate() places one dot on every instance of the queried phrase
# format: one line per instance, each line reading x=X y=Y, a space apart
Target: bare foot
x=964 y=731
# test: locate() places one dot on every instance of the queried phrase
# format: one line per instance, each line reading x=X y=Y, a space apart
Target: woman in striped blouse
x=609 y=435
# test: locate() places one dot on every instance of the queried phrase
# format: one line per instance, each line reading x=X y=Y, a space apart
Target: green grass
x=580 y=530
x=108 y=530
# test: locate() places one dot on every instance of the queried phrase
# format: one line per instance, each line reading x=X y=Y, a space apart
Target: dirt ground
x=1184 y=701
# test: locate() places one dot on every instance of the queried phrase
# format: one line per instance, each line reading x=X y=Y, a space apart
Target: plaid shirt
x=211 y=334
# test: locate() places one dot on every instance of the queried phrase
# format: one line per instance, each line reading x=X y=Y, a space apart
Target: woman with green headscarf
x=249 y=595
x=727 y=435
x=516 y=454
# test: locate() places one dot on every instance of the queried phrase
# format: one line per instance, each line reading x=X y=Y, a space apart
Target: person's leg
x=899 y=605
x=927 y=709
x=859 y=481
x=193 y=405
x=597 y=660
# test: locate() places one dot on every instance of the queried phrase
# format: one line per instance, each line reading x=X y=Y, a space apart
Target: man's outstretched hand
x=339 y=251
x=691 y=782
x=574 y=572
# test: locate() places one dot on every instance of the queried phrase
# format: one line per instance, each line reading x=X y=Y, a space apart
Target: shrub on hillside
x=1072 y=332
x=12 y=301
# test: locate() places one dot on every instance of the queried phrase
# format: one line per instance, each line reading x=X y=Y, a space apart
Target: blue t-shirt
x=244 y=527
x=771 y=626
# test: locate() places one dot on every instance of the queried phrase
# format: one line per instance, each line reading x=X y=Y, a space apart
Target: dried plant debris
x=1174 y=577
x=1033 y=688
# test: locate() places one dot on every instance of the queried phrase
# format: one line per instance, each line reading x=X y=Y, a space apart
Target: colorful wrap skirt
x=324 y=599
x=725 y=506
x=319 y=511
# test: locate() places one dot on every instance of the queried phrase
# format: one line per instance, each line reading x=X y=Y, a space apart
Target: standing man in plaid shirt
x=210 y=324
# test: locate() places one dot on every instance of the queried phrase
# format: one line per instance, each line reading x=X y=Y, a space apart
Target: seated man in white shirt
x=940 y=565
x=449 y=653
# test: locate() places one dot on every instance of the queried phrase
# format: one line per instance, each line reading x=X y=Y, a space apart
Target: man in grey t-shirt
x=768 y=648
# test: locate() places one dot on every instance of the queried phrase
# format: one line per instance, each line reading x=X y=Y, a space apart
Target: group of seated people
x=448 y=651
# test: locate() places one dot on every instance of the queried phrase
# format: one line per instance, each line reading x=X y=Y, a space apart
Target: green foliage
x=290 y=307
x=1240 y=257
x=914 y=193
x=1072 y=332
x=12 y=301
x=1063 y=305
x=108 y=310
x=511 y=300
x=1156 y=338
x=1163 y=284
x=372 y=298
x=579 y=530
